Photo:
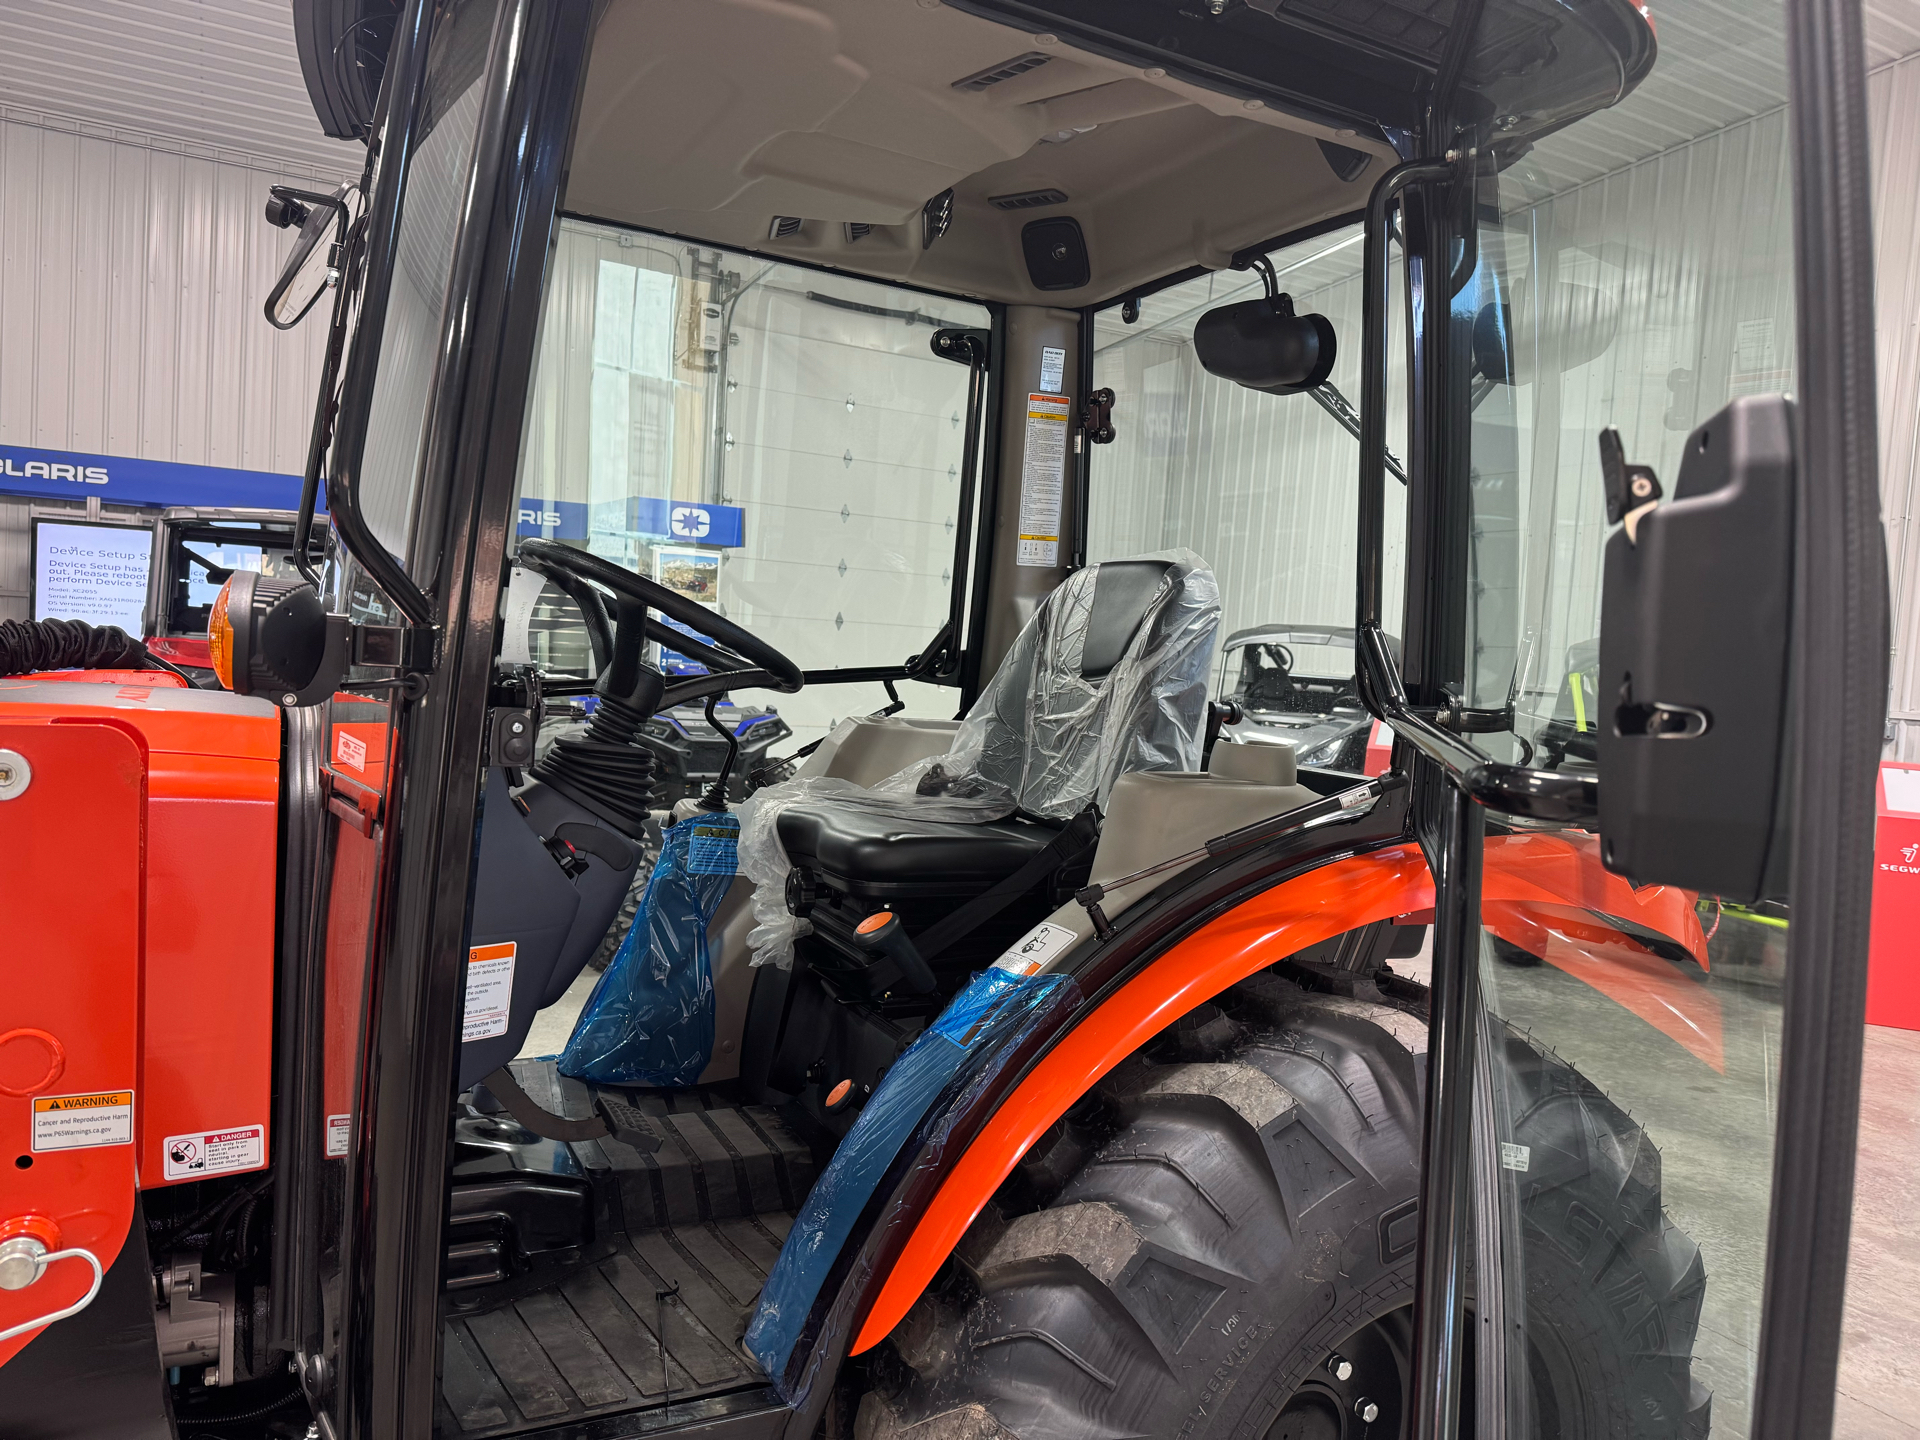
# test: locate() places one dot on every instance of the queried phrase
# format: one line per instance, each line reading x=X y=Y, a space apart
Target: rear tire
x=1198 y=1248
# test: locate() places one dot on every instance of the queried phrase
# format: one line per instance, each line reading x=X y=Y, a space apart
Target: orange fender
x=1278 y=922
x=1542 y=890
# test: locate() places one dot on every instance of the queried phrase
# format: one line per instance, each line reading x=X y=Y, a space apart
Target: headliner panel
x=707 y=118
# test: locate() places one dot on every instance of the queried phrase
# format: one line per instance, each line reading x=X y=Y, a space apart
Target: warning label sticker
x=99 y=1118
x=350 y=750
x=209 y=1153
x=490 y=991
x=339 y=1130
x=1035 y=949
x=1043 y=464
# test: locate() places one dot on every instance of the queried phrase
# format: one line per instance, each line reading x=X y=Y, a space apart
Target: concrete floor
x=1715 y=1132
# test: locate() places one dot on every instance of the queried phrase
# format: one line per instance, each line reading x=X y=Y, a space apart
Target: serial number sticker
x=212 y=1153
x=98 y=1118
x=350 y=750
x=490 y=991
x=339 y=1132
x=1513 y=1157
x=1035 y=949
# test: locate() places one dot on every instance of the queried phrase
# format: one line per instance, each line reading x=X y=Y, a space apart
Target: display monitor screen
x=91 y=572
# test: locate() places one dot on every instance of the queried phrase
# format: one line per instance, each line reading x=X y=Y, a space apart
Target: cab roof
x=1175 y=136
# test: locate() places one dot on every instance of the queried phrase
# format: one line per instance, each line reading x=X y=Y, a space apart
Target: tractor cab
x=931 y=698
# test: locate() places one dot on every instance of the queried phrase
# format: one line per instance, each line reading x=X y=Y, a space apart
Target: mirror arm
x=321 y=437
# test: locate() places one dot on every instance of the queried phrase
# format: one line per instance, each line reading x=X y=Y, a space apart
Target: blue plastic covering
x=995 y=1010
x=650 y=1021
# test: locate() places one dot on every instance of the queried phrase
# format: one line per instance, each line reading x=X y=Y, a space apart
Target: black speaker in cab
x=1696 y=611
x=1056 y=253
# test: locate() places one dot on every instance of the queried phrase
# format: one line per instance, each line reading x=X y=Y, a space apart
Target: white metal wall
x=133 y=271
x=1892 y=94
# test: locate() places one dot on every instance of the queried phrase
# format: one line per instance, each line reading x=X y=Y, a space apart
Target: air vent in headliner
x=1006 y=70
x=856 y=230
x=1028 y=199
x=783 y=227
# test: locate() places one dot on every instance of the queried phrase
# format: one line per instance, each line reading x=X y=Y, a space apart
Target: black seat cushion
x=882 y=857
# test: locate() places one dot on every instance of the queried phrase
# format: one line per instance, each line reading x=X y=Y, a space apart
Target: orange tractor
x=1053 y=1047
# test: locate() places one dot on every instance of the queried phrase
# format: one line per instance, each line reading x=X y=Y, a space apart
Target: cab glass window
x=1261 y=486
x=779 y=443
x=1636 y=272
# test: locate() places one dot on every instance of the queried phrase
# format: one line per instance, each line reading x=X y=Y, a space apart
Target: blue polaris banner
x=552 y=519
x=121 y=480
x=722 y=525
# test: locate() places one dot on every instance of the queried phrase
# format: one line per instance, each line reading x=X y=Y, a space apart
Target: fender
x=1524 y=875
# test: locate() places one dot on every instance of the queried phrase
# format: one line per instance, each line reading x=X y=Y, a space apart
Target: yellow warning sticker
x=97 y=1118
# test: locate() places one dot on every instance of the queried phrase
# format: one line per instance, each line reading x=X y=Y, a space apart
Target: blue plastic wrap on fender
x=650 y=1021
x=994 y=1011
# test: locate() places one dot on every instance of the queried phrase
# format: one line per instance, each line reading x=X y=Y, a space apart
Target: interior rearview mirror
x=1264 y=345
x=312 y=265
x=1696 y=608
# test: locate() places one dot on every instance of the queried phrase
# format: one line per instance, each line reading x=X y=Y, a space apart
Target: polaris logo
x=540 y=517
x=54 y=470
x=689 y=522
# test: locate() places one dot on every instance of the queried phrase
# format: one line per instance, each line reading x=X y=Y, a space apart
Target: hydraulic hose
x=31 y=645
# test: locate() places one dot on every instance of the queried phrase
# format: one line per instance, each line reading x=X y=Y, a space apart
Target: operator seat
x=1108 y=677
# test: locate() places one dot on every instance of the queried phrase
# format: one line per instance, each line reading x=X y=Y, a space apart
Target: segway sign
x=717 y=525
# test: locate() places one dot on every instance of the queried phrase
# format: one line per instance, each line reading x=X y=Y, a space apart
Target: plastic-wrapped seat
x=1108 y=677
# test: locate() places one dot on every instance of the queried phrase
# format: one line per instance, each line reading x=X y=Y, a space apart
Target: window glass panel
x=1262 y=487
x=780 y=443
x=1644 y=262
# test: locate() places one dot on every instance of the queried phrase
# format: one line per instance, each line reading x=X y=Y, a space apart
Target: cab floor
x=654 y=1319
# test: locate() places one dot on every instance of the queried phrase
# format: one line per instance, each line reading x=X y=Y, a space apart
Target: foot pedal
x=629 y=1124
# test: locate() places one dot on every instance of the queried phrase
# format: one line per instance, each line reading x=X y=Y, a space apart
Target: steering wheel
x=563 y=564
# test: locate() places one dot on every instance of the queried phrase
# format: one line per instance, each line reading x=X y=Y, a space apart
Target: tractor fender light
x=273 y=638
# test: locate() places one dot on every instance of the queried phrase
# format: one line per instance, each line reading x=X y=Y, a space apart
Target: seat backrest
x=1109 y=676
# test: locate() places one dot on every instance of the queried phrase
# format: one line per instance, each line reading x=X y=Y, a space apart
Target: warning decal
x=339 y=1133
x=66 y=1123
x=1043 y=462
x=1035 y=949
x=490 y=991
x=209 y=1153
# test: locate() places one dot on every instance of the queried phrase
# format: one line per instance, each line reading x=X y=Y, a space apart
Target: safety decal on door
x=209 y=1153
x=490 y=991
x=99 y=1118
x=339 y=1133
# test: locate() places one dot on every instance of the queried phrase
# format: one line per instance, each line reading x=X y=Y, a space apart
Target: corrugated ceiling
x=217 y=75
x=1720 y=62
x=223 y=74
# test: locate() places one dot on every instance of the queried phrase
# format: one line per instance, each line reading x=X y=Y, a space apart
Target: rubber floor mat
x=707 y=1193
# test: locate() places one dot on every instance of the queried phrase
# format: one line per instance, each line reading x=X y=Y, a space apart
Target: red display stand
x=1894 y=944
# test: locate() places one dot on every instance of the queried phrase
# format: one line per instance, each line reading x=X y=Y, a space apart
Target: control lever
x=1220 y=715
x=882 y=934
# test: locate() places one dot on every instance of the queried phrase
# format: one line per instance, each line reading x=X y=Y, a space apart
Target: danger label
x=209 y=1153
x=490 y=991
x=351 y=751
x=66 y=1123
x=339 y=1133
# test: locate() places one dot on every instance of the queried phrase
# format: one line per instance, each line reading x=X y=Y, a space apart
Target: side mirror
x=1583 y=319
x=1696 y=608
x=312 y=265
x=1264 y=345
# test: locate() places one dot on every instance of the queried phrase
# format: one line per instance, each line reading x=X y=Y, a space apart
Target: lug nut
x=1367 y=1410
x=1339 y=1367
